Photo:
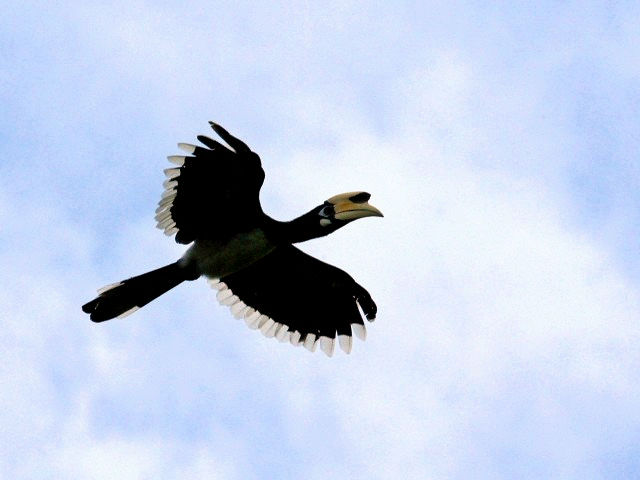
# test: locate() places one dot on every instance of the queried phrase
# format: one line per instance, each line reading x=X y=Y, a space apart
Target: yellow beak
x=352 y=205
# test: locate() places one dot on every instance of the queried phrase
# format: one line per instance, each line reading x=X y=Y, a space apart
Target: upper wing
x=295 y=297
x=213 y=193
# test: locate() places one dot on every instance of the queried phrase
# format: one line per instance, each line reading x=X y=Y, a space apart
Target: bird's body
x=212 y=201
x=219 y=258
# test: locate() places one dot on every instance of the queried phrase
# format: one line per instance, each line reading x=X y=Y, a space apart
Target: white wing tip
x=327 y=345
x=261 y=320
x=268 y=327
x=251 y=319
x=346 y=342
x=177 y=159
x=162 y=216
x=172 y=172
x=106 y=288
x=223 y=294
x=284 y=338
x=128 y=312
x=187 y=147
x=217 y=284
x=238 y=309
x=295 y=339
x=228 y=301
x=310 y=342
x=168 y=229
x=169 y=183
x=359 y=330
x=282 y=334
x=166 y=222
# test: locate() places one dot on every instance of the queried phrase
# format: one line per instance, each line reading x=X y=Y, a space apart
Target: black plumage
x=212 y=201
x=217 y=190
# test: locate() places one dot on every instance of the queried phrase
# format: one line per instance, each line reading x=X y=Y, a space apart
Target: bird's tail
x=125 y=297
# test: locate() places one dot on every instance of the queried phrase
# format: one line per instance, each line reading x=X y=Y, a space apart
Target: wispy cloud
x=507 y=336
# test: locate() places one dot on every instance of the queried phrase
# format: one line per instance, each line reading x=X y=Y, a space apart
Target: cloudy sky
x=501 y=142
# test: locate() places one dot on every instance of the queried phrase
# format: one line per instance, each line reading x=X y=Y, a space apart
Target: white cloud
x=506 y=339
x=488 y=299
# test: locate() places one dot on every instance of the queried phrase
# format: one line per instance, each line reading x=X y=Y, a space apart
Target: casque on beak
x=353 y=205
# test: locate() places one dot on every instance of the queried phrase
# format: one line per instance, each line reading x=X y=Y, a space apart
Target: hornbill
x=211 y=199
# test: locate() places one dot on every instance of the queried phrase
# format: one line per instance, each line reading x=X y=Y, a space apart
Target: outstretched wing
x=214 y=192
x=297 y=298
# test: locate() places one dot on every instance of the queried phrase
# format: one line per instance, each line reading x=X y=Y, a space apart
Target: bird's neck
x=301 y=229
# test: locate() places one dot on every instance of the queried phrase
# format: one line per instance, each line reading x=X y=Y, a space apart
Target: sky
x=500 y=139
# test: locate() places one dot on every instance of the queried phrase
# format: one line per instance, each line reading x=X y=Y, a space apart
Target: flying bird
x=211 y=201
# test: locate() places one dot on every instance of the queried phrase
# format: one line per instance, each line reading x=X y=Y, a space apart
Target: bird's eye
x=327 y=211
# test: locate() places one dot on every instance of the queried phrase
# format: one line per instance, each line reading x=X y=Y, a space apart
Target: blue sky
x=501 y=142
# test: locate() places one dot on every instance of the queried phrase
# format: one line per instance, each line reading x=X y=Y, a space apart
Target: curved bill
x=353 y=205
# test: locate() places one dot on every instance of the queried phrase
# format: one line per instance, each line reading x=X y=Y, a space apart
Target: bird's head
x=344 y=208
x=333 y=214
